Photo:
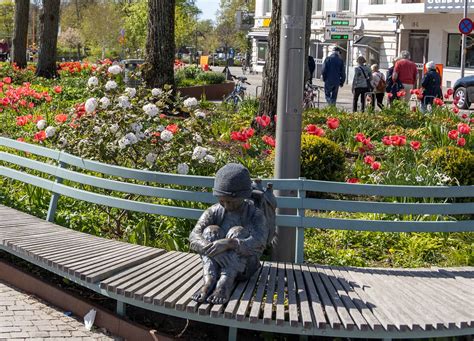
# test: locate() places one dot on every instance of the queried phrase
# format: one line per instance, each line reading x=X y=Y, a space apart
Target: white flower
x=131 y=138
x=91 y=105
x=136 y=127
x=200 y=114
x=166 y=135
x=151 y=158
x=419 y=178
x=93 y=81
x=110 y=85
x=123 y=102
x=183 y=168
x=62 y=142
x=140 y=136
x=96 y=130
x=190 y=102
x=160 y=128
x=150 y=109
x=197 y=138
x=114 y=69
x=114 y=128
x=131 y=92
x=104 y=102
x=123 y=142
x=50 y=131
x=199 y=153
x=41 y=124
x=210 y=158
x=156 y=92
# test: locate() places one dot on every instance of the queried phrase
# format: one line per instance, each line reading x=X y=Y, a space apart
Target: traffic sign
x=338 y=33
x=344 y=19
x=465 y=26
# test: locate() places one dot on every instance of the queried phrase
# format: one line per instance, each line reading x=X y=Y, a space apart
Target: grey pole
x=463 y=43
x=289 y=109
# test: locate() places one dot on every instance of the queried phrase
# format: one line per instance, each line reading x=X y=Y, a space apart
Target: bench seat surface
x=305 y=296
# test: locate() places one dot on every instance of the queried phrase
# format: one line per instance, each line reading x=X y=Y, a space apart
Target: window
x=453 y=56
x=317 y=6
x=344 y=5
x=267 y=6
x=377 y=2
x=262 y=51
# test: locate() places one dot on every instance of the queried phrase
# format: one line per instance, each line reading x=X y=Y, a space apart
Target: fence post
x=299 y=249
x=53 y=203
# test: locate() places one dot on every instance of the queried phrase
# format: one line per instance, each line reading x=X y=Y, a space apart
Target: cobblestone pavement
x=24 y=317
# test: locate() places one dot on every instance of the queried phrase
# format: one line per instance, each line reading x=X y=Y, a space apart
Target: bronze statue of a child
x=230 y=235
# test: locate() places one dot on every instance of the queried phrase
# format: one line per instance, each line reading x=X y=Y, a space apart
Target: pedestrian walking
x=311 y=67
x=334 y=75
x=361 y=84
x=431 y=84
x=406 y=71
x=393 y=87
x=378 y=84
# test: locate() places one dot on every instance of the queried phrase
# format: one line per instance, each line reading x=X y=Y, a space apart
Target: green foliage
x=211 y=78
x=455 y=162
x=194 y=75
x=321 y=159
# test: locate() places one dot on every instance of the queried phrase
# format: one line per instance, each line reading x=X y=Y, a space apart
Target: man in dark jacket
x=334 y=75
x=311 y=67
x=431 y=84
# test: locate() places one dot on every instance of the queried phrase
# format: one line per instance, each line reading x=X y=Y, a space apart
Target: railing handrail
x=301 y=203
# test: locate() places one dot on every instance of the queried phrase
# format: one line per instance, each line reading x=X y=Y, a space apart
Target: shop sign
x=447 y=6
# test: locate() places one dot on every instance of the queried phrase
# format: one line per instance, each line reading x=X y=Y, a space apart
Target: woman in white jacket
x=378 y=84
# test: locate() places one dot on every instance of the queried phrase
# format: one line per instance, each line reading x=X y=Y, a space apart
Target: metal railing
x=79 y=171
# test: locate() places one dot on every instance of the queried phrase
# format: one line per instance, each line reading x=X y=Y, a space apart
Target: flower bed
x=89 y=112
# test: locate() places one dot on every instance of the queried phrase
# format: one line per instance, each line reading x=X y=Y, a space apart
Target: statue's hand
x=219 y=246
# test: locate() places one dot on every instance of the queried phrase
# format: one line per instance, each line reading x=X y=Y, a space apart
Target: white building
x=383 y=28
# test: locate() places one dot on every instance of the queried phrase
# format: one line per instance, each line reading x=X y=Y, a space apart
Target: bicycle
x=238 y=93
x=311 y=96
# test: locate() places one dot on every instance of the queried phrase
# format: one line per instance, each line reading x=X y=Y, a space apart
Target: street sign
x=338 y=33
x=465 y=26
x=344 y=19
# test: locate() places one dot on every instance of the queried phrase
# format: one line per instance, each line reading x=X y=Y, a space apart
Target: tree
x=160 y=46
x=20 y=36
x=49 y=20
x=268 y=98
x=71 y=38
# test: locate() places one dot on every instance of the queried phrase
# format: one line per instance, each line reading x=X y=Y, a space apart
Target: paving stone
x=20 y=335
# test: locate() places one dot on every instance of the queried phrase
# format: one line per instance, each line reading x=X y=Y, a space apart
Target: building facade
x=383 y=28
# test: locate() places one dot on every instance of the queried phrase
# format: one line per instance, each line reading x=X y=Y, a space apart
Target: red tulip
x=57 y=89
x=263 y=120
x=369 y=159
x=173 y=128
x=332 y=123
x=455 y=110
x=453 y=134
x=359 y=137
x=353 y=180
x=464 y=116
x=438 y=101
x=313 y=129
x=450 y=92
x=464 y=129
x=461 y=142
x=375 y=165
x=415 y=145
x=386 y=140
x=268 y=140
x=20 y=139
x=40 y=136
x=60 y=118
x=246 y=146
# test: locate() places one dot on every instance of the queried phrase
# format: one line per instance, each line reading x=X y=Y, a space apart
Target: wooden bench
x=293 y=298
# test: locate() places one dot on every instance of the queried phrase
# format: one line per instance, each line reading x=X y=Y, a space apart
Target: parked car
x=464 y=91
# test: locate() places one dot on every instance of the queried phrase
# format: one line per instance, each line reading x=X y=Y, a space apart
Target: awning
x=367 y=40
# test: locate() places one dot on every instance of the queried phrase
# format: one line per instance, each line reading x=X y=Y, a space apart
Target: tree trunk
x=268 y=98
x=49 y=20
x=160 y=46
x=307 y=38
x=20 y=36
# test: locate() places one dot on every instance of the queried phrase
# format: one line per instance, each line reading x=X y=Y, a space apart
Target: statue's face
x=231 y=204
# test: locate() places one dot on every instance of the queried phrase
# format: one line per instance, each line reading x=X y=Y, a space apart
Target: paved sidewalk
x=24 y=317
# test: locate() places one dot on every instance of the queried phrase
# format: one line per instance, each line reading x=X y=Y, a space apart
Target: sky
x=208 y=9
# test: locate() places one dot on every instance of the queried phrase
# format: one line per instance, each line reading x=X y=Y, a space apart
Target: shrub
x=321 y=159
x=454 y=162
x=211 y=78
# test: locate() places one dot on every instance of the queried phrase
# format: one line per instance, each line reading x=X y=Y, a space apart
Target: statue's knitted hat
x=233 y=180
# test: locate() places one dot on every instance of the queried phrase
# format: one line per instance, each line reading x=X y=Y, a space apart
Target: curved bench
x=290 y=298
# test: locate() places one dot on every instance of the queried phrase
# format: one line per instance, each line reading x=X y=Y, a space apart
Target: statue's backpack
x=265 y=200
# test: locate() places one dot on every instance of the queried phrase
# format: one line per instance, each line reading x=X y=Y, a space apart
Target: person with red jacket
x=406 y=71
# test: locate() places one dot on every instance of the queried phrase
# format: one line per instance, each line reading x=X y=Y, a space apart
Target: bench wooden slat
x=247 y=296
x=156 y=276
x=303 y=299
x=173 y=281
x=316 y=302
x=270 y=293
x=358 y=297
x=170 y=301
x=231 y=307
x=354 y=313
x=182 y=303
x=257 y=300
x=51 y=243
x=120 y=281
x=331 y=313
x=291 y=289
x=280 y=297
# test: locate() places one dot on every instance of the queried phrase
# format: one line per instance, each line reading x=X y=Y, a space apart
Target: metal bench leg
x=303 y=337
x=121 y=308
x=232 y=334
